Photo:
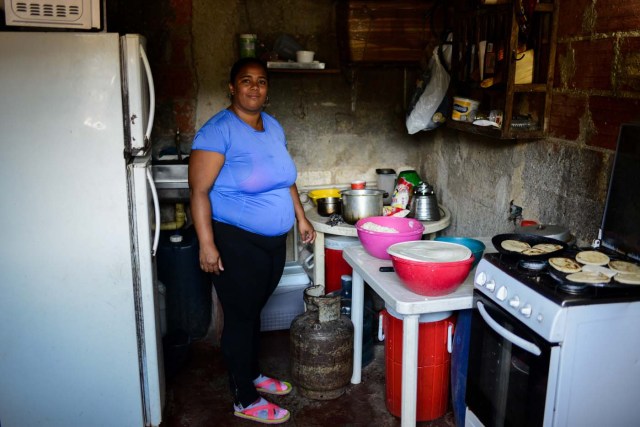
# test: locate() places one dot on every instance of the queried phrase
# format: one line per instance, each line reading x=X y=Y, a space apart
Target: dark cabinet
x=503 y=57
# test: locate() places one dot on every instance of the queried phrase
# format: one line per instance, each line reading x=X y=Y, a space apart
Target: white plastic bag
x=422 y=115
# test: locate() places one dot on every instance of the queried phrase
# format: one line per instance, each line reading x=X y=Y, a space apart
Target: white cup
x=305 y=56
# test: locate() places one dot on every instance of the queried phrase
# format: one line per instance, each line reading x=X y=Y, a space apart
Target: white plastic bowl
x=305 y=56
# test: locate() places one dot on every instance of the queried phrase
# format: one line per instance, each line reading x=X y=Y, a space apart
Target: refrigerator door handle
x=152 y=94
x=156 y=207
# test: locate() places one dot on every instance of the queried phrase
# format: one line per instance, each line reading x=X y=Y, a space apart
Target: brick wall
x=167 y=26
x=597 y=75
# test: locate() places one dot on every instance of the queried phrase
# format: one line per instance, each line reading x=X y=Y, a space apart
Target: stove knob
x=514 y=302
x=491 y=285
x=526 y=310
x=481 y=278
x=502 y=293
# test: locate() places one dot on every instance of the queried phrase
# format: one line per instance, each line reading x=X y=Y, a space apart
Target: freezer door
x=145 y=229
x=138 y=94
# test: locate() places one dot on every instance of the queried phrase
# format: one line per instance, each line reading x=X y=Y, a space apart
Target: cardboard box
x=287 y=301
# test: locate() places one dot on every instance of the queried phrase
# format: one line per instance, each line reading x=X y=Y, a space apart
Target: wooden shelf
x=303 y=71
x=541 y=87
x=478 y=130
x=529 y=103
x=544 y=7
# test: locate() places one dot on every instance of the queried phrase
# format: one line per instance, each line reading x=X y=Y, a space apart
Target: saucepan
x=328 y=206
x=358 y=204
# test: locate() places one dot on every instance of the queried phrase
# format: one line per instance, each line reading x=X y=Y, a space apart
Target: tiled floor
x=197 y=395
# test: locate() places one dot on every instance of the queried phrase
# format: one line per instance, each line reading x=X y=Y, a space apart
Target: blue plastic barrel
x=459 y=364
x=188 y=288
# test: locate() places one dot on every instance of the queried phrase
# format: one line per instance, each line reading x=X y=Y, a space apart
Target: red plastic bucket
x=334 y=264
x=434 y=363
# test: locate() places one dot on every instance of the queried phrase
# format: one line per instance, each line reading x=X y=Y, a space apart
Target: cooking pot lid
x=557 y=232
x=430 y=251
x=366 y=192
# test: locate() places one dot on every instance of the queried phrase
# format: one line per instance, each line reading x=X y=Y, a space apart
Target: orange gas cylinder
x=434 y=363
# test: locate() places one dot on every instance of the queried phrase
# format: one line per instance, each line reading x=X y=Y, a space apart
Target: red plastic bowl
x=376 y=242
x=432 y=279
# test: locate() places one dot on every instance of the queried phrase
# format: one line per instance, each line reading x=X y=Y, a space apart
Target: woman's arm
x=305 y=228
x=204 y=167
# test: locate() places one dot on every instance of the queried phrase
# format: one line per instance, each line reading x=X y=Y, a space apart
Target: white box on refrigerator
x=287 y=301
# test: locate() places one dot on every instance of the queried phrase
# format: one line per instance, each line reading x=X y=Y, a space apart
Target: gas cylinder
x=321 y=344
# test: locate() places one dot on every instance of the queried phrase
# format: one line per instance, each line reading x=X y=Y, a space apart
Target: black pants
x=253 y=265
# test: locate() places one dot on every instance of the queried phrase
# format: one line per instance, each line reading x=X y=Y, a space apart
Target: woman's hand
x=307 y=233
x=306 y=230
x=210 y=261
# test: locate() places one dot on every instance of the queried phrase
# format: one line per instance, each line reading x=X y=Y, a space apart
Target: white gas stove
x=548 y=351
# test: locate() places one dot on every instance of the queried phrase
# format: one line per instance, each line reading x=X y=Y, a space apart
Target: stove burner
x=574 y=289
x=532 y=265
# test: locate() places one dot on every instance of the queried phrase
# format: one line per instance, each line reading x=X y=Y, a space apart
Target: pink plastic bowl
x=376 y=242
x=432 y=278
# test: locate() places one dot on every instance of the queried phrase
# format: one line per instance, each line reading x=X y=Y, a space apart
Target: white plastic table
x=404 y=302
x=320 y=225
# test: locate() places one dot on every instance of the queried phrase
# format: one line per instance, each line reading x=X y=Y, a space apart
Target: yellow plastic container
x=314 y=195
x=464 y=109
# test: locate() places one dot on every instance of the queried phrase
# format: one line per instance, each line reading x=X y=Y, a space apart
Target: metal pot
x=328 y=206
x=358 y=204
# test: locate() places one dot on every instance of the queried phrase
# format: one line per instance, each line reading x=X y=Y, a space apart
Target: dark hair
x=242 y=62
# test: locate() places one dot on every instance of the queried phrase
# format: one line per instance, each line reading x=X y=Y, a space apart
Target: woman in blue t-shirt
x=244 y=201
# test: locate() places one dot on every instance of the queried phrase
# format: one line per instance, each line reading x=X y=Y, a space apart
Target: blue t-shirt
x=252 y=189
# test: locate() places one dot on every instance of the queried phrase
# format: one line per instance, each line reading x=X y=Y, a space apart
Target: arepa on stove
x=624 y=267
x=592 y=258
x=565 y=265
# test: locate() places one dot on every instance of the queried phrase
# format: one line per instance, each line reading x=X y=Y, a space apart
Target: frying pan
x=531 y=239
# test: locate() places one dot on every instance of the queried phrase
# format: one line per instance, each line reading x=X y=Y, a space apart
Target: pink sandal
x=273 y=386
x=263 y=412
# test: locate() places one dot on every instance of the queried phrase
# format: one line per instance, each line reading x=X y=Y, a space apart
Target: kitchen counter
x=320 y=225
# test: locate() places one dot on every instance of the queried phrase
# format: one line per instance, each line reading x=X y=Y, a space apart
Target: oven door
x=509 y=367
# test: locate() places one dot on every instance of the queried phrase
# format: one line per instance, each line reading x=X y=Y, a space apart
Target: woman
x=243 y=202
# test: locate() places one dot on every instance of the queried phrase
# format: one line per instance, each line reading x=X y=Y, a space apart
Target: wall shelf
x=506 y=34
x=303 y=71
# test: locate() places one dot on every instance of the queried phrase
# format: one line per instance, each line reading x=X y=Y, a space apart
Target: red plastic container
x=432 y=278
x=334 y=264
x=434 y=363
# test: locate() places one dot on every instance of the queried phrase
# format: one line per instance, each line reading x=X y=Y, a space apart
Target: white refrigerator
x=80 y=342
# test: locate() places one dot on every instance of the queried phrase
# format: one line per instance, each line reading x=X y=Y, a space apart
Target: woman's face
x=249 y=90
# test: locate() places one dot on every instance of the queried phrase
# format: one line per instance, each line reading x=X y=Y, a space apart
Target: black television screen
x=621 y=220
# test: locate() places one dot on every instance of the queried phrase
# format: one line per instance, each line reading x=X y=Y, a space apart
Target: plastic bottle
x=248 y=45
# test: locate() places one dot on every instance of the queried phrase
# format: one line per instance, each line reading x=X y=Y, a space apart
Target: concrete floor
x=198 y=395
